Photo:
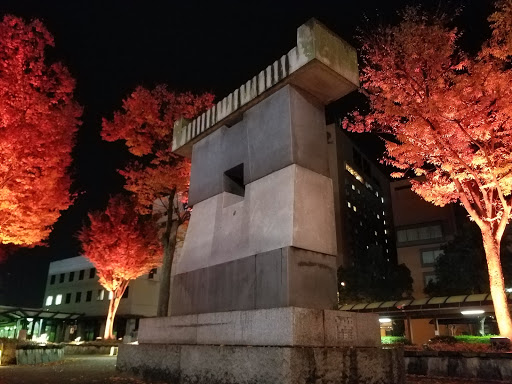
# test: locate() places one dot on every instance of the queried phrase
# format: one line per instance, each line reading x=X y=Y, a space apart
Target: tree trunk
x=112 y=310
x=497 y=284
x=169 y=245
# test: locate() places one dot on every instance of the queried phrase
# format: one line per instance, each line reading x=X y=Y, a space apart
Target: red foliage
x=120 y=243
x=38 y=120
x=451 y=116
x=146 y=124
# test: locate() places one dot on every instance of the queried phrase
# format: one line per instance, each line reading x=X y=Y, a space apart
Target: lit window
x=429 y=278
x=101 y=294
x=361 y=223
x=377 y=193
x=383 y=213
x=58 y=299
x=354 y=173
x=349 y=205
x=384 y=222
x=375 y=233
x=385 y=231
x=49 y=300
x=387 y=259
x=386 y=240
x=378 y=216
x=354 y=208
x=429 y=256
x=382 y=199
x=110 y=295
x=353 y=187
x=387 y=250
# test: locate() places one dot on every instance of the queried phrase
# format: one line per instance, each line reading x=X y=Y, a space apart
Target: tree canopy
x=450 y=115
x=38 y=121
x=122 y=245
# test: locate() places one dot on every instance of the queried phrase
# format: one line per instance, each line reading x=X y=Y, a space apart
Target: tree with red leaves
x=122 y=245
x=146 y=125
x=451 y=116
x=38 y=121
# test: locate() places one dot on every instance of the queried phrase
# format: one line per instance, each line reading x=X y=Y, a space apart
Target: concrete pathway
x=102 y=370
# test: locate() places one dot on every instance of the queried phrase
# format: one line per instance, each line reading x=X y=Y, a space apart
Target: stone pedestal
x=254 y=288
x=193 y=364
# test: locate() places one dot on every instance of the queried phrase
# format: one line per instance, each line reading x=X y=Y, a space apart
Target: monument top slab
x=322 y=64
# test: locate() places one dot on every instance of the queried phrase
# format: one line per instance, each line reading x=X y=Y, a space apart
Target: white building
x=73 y=287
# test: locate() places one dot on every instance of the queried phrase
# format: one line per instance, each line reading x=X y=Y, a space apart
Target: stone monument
x=254 y=290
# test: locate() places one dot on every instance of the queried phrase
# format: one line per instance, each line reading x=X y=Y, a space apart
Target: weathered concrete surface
x=290 y=207
x=322 y=64
x=275 y=327
x=211 y=364
x=488 y=366
x=286 y=128
x=278 y=278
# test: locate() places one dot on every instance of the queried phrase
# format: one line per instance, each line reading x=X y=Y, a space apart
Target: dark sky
x=112 y=46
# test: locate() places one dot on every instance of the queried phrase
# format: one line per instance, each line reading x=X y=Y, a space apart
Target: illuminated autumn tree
x=122 y=245
x=146 y=124
x=38 y=120
x=451 y=116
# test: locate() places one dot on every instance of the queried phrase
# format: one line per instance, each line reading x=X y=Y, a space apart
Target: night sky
x=110 y=47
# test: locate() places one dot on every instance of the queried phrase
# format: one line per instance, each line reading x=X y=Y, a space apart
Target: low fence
x=488 y=365
x=38 y=355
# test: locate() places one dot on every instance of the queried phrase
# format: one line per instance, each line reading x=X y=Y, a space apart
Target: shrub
x=395 y=340
x=443 y=340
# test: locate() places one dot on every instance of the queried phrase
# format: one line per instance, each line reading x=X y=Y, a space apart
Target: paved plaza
x=101 y=369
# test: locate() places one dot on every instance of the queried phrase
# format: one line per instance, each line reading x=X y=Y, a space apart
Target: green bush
x=395 y=340
x=475 y=339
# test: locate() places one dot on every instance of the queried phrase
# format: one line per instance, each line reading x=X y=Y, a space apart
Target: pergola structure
x=461 y=309
x=14 y=319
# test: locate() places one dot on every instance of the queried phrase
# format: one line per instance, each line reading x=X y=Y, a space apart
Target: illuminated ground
x=101 y=370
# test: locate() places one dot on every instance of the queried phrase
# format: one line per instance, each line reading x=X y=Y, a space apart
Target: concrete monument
x=254 y=290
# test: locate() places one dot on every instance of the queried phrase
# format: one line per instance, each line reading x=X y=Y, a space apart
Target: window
x=429 y=256
x=81 y=274
x=110 y=295
x=68 y=298
x=49 y=300
x=92 y=273
x=126 y=292
x=61 y=277
x=427 y=232
x=349 y=205
x=429 y=277
x=58 y=299
x=152 y=273
x=52 y=279
x=101 y=294
x=71 y=276
x=78 y=297
x=88 y=296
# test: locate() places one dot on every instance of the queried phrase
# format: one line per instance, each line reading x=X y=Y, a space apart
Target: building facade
x=421 y=229
x=73 y=287
x=364 y=220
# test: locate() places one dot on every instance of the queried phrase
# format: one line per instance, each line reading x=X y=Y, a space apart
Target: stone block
x=314 y=227
x=349 y=328
x=280 y=278
x=271 y=279
x=289 y=326
x=207 y=364
x=180 y=329
x=311 y=278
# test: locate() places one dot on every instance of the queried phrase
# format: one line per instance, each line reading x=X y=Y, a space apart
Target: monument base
x=216 y=364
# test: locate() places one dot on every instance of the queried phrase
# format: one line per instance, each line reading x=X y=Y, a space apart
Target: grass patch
x=394 y=340
x=475 y=339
